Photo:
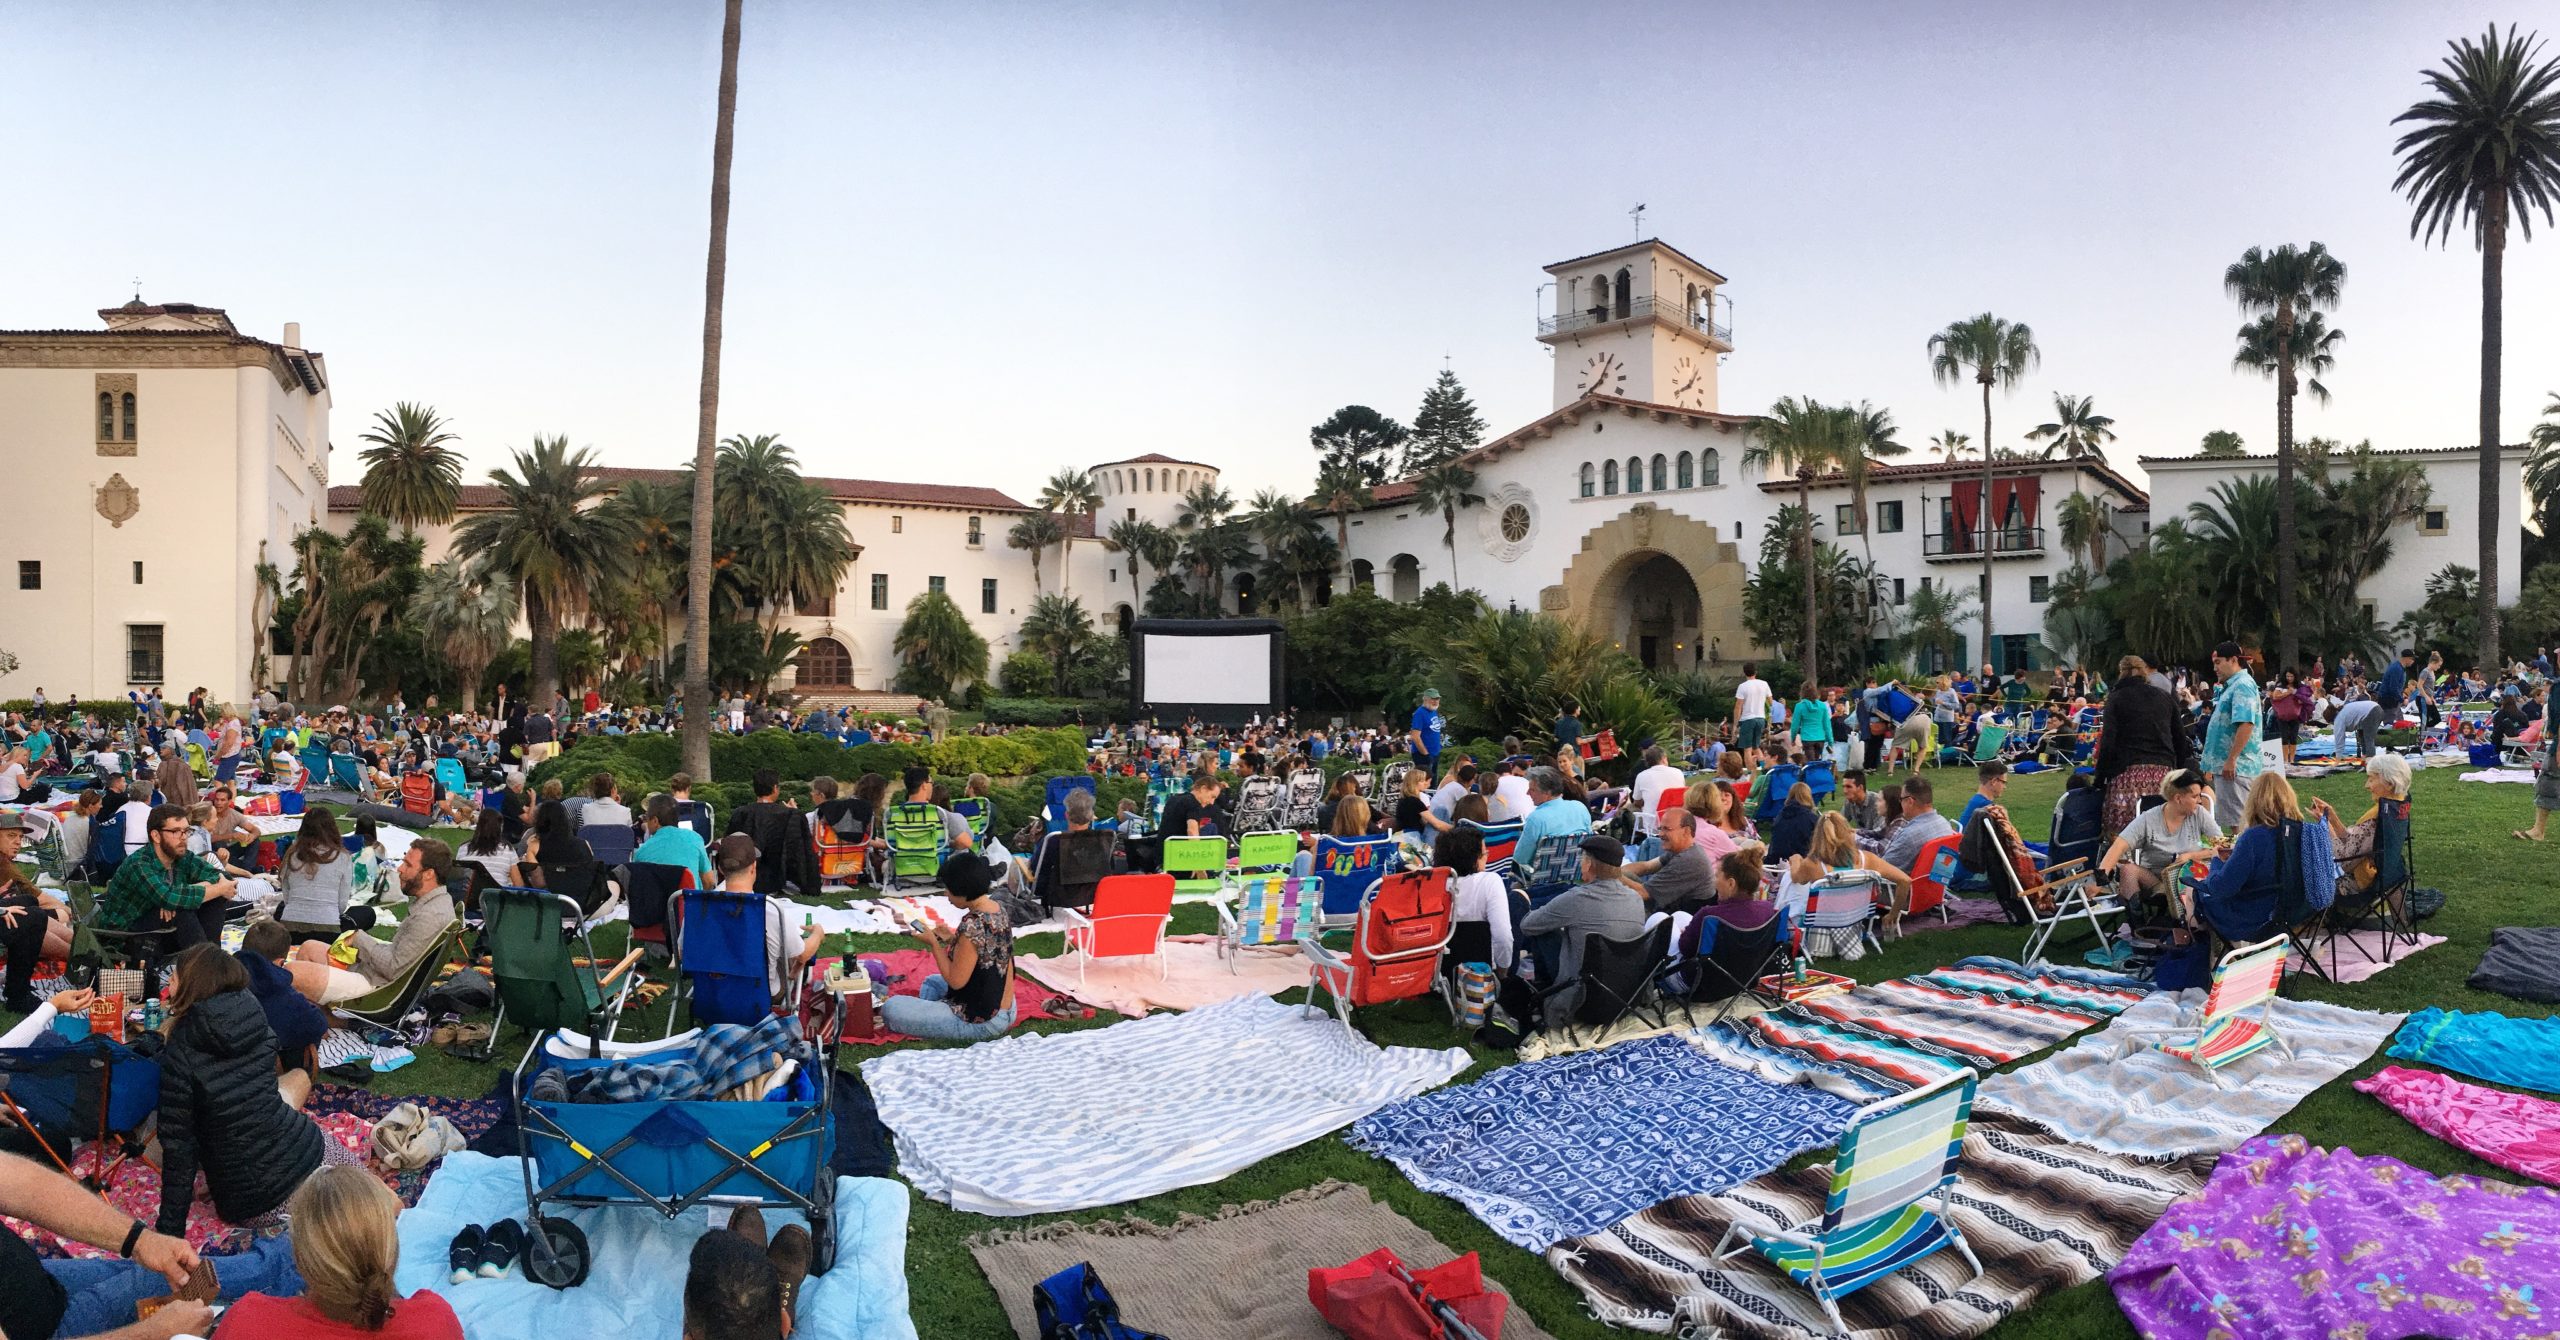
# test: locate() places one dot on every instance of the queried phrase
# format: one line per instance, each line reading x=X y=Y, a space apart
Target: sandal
x=2522 y=836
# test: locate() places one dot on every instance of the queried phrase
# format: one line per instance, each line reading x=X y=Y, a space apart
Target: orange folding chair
x=1405 y=920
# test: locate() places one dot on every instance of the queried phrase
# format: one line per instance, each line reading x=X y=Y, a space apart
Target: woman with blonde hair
x=2240 y=894
x=1834 y=851
x=346 y=1243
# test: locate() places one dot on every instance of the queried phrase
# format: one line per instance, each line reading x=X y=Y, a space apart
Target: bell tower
x=1639 y=322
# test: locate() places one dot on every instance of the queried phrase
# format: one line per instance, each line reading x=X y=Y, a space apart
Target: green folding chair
x=1265 y=854
x=544 y=966
x=917 y=843
x=1883 y=1212
x=1197 y=864
x=392 y=1001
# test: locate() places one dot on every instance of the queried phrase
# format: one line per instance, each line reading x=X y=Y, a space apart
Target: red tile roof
x=1159 y=458
x=963 y=497
x=1959 y=470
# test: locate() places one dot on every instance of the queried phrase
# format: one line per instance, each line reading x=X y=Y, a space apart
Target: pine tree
x=1447 y=425
x=1359 y=438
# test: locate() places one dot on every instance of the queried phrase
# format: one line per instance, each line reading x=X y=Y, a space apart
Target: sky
x=977 y=243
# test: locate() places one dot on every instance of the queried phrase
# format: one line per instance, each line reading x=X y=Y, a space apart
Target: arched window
x=1635 y=474
x=1590 y=480
x=1609 y=478
x=824 y=663
x=106 y=417
x=1690 y=312
x=1711 y=467
x=1661 y=472
x=1182 y=481
x=1688 y=468
x=1151 y=481
x=128 y=416
x=1626 y=295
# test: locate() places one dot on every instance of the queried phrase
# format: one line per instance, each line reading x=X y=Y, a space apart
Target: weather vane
x=1637 y=214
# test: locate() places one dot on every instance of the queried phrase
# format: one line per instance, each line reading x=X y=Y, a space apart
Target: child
x=297 y=1023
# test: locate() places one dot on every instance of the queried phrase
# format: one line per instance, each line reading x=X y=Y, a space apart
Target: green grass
x=2462 y=847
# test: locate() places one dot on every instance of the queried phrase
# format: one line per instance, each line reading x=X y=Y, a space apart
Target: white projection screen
x=1213 y=669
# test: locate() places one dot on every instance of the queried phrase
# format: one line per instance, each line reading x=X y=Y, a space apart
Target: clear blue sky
x=973 y=243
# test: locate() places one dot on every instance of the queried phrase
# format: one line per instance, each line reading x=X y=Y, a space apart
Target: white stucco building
x=154 y=462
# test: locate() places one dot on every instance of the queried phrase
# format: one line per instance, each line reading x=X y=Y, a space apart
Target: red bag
x=1378 y=1298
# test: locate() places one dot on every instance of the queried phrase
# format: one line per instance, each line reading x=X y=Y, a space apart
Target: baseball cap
x=1608 y=850
x=1429 y=694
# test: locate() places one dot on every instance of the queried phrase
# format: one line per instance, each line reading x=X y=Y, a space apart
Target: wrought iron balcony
x=1945 y=546
x=1638 y=310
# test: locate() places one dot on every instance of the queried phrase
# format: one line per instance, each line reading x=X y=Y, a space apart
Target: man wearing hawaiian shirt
x=2230 y=743
x=167 y=888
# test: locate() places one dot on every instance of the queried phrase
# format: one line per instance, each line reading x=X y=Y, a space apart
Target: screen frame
x=1142 y=707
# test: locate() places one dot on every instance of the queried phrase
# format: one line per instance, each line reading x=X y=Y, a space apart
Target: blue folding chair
x=2076 y=825
x=1770 y=795
x=1821 y=779
x=315 y=764
x=346 y=772
x=1053 y=811
x=449 y=776
x=1553 y=868
x=981 y=814
x=1346 y=867
x=720 y=957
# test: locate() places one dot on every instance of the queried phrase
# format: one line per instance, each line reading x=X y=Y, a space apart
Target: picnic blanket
x=907 y=969
x=1241 y=1275
x=2512 y=1130
x=2525 y=775
x=1111 y=1114
x=2523 y=962
x=2116 y=1091
x=636 y=1286
x=1569 y=1145
x=1677 y=1017
x=2520 y=1053
x=1960 y=913
x=2362 y=953
x=724 y=1057
x=2291 y=1240
x=133 y=1188
x=1192 y=973
x=2042 y=1213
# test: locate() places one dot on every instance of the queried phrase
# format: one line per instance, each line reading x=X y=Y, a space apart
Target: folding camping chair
x=1259 y=804
x=843 y=855
x=1265 y=912
x=2384 y=903
x=1303 y=800
x=1987 y=744
x=1771 y=793
x=449 y=776
x=1364 y=782
x=2246 y=979
x=1933 y=869
x=1555 y=867
x=722 y=955
x=1393 y=778
x=1844 y=908
x=545 y=967
x=2077 y=897
x=1724 y=963
x=918 y=843
x=60 y=1090
x=979 y=813
x=346 y=773
x=1127 y=920
x=315 y=764
x=1821 y=779
x=1405 y=920
x=391 y=1002
x=611 y=843
x=1265 y=853
x=1617 y=979
x=1160 y=793
x=1083 y=861
x=1501 y=844
x=1345 y=868
x=2077 y=825
x=418 y=795
x=1197 y=864
x=1053 y=807
x=649 y=890
x=1883 y=1212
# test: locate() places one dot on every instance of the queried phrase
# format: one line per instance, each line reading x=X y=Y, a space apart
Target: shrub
x=1026 y=674
x=994 y=755
x=1045 y=711
x=115 y=711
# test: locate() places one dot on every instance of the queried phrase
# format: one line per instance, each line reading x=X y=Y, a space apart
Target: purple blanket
x=2293 y=1242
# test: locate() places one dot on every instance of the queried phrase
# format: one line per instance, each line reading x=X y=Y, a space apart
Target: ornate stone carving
x=1553 y=598
x=115 y=386
x=1640 y=521
x=144 y=349
x=118 y=501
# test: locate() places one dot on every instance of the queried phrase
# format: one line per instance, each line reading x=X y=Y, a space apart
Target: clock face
x=1603 y=374
x=1689 y=384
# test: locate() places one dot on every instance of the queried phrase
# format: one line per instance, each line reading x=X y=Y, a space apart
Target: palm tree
x=2542 y=468
x=1342 y=490
x=939 y=649
x=1071 y=494
x=2082 y=518
x=1134 y=538
x=659 y=517
x=781 y=540
x=1803 y=438
x=715 y=285
x=2313 y=348
x=1871 y=445
x=1993 y=351
x=2078 y=430
x=1057 y=628
x=2287 y=284
x=2224 y=442
x=548 y=540
x=1283 y=525
x=411 y=474
x=1930 y=619
x=1951 y=444
x=1203 y=505
x=2486 y=149
x=1445 y=488
x=1035 y=533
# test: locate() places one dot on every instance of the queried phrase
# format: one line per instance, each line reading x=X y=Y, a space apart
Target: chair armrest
x=1072 y=919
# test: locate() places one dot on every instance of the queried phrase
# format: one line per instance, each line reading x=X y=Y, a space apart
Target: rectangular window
x=1897 y=590
x=30 y=574
x=1133 y=514
x=2432 y=522
x=879 y=590
x=934 y=584
x=987 y=596
x=2039 y=590
x=1737 y=530
x=137 y=572
x=143 y=661
x=1889 y=517
x=977 y=532
x=1847 y=519
x=897 y=524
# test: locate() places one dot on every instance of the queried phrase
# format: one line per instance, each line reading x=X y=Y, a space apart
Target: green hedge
x=115 y=710
x=1045 y=711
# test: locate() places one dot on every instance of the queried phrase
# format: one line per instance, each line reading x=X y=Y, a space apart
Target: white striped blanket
x=1035 y=1124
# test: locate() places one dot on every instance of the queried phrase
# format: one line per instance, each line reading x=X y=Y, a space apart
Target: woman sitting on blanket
x=1835 y=851
x=2239 y=896
x=346 y=1243
x=2386 y=777
x=970 y=995
x=223 y=1112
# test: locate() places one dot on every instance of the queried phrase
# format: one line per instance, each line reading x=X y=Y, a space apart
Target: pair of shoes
x=464 y=1255
x=485 y=1253
x=459 y=1035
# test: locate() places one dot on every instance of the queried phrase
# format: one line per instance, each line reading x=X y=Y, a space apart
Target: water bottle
x=151 y=1015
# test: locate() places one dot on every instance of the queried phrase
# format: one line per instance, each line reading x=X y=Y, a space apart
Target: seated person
x=234 y=838
x=2386 y=777
x=36 y=1294
x=1413 y=808
x=222 y=1111
x=346 y=1243
x=2143 y=859
x=1792 y=832
x=34 y=924
x=970 y=994
x=1046 y=873
x=1343 y=789
x=490 y=854
x=1834 y=850
x=1601 y=904
x=1739 y=899
x=296 y=1022
x=671 y=841
x=553 y=846
x=1683 y=878
x=1992 y=780
x=2240 y=896
x=1350 y=820
x=1921 y=824
x=167 y=888
x=1475 y=893
x=426 y=877
x=1867 y=813
x=317 y=878
x=787 y=951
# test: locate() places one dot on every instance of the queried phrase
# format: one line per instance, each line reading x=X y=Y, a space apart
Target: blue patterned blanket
x=1570 y=1145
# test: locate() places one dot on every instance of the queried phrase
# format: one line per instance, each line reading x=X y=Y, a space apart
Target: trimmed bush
x=113 y=710
x=1026 y=674
x=1045 y=711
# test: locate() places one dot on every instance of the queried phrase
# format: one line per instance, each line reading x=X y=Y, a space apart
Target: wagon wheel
x=558 y=1256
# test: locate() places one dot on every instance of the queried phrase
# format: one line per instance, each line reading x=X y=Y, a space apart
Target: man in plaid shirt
x=166 y=887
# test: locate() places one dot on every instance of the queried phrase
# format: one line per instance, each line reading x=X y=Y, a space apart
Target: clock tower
x=1640 y=322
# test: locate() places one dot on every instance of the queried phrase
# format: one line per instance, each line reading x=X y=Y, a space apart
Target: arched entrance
x=1125 y=616
x=824 y=664
x=1652 y=573
x=1659 y=602
x=1405 y=579
x=1364 y=575
x=1244 y=593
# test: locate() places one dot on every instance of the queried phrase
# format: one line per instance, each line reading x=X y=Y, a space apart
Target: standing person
x=1569 y=727
x=2287 y=708
x=228 y=745
x=2230 y=744
x=2392 y=689
x=2546 y=779
x=541 y=738
x=1750 y=708
x=1810 y=721
x=168 y=888
x=2140 y=742
x=1423 y=733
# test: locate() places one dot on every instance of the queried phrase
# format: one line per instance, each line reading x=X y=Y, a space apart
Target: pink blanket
x=909 y=967
x=2513 y=1131
x=1192 y=974
x=134 y=1190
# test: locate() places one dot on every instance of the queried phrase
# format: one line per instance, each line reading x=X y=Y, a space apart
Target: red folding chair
x=1929 y=873
x=1405 y=920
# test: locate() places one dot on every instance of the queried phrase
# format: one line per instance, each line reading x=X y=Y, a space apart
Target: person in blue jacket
x=2240 y=893
x=297 y=1023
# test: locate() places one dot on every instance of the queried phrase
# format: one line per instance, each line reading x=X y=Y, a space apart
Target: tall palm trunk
x=1449 y=537
x=715 y=283
x=542 y=627
x=1982 y=512
x=1804 y=548
x=2493 y=305
x=1066 y=546
x=2288 y=637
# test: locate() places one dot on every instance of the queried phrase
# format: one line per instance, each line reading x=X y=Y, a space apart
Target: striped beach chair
x=1883 y=1212
x=1266 y=913
x=2245 y=980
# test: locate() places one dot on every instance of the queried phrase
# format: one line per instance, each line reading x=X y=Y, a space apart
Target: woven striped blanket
x=2043 y=1214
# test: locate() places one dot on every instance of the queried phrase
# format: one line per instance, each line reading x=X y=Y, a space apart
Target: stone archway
x=1624 y=551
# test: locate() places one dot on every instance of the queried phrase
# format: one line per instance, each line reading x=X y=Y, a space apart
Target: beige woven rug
x=1239 y=1276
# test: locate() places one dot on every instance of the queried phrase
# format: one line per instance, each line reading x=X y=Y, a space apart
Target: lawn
x=2462 y=846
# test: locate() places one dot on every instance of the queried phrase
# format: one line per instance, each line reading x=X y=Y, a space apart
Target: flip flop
x=2522 y=836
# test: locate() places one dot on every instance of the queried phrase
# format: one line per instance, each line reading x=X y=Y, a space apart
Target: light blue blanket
x=2521 y=1053
x=636 y=1288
